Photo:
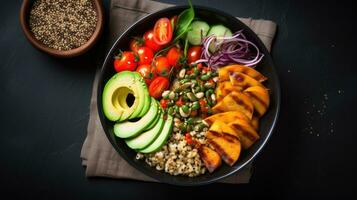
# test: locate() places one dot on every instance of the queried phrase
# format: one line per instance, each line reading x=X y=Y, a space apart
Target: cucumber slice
x=219 y=31
x=198 y=29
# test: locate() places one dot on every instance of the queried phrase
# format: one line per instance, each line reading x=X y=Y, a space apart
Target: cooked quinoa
x=176 y=158
x=191 y=92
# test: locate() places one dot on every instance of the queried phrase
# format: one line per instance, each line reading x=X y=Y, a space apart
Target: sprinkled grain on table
x=63 y=24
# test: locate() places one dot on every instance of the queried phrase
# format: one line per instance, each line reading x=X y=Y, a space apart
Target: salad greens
x=184 y=21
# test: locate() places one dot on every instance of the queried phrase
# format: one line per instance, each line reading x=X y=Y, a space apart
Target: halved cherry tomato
x=194 y=54
x=147 y=72
x=135 y=43
x=125 y=61
x=145 y=55
x=162 y=65
x=163 y=31
x=193 y=113
x=179 y=102
x=149 y=41
x=173 y=56
x=190 y=71
x=202 y=102
x=163 y=103
x=158 y=86
x=188 y=138
x=205 y=69
x=199 y=66
x=203 y=107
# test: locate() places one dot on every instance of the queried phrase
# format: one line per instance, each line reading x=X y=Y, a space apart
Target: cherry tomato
x=193 y=113
x=193 y=54
x=163 y=103
x=203 y=107
x=179 y=102
x=135 y=43
x=190 y=71
x=199 y=66
x=163 y=31
x=149 y=41
x=147 y=72
x=158 y=86
x=162 y=66
x=189 y=139
x=145 y=55
x=125 y=61
x=173 y=21
x=205 y=69
x=202 y=103
x=173 y=56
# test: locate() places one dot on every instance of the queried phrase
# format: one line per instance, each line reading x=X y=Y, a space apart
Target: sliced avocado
x=131 y=129
x=146 y=138
x=112 y=104
x=147 y=103
x=161 y=139
x=116 y=91
x=153 y=123
x=143 y=97
x=138 y=87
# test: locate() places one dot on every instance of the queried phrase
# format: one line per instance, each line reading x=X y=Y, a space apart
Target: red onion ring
x=235 y=49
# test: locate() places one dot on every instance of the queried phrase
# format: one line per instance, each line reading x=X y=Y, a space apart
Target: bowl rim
x=24 y=13
x=215 y=179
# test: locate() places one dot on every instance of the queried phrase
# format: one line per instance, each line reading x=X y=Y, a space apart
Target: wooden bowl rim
x=26 y=6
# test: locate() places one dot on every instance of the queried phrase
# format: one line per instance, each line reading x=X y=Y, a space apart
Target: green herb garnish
x=184 y=21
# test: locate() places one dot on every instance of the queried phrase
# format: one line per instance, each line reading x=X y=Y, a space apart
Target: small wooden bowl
x=24 y=15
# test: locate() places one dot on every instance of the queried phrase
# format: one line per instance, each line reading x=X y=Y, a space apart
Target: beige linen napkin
x=97 y=154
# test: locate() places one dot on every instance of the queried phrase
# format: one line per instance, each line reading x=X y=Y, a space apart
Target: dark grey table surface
x=44 y=109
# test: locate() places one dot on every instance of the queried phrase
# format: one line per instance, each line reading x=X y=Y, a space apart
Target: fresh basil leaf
x=183 y=21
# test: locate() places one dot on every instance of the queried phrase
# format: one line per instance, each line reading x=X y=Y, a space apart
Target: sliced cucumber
x=198 y=29
x=219 y=31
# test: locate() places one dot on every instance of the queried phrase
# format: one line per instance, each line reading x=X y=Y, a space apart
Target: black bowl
x=266 y=66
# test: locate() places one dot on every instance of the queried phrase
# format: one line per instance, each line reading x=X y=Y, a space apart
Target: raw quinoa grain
x=63 y=24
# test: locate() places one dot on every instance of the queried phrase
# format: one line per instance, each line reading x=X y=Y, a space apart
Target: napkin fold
x=98 y=155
